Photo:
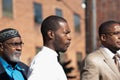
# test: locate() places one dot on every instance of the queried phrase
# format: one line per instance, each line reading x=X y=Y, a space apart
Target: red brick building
x=97 y=12
x=27 y=15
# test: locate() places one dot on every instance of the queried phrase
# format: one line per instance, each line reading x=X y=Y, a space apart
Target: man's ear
x=1 y=45
x=51 y=34
x=103 y=37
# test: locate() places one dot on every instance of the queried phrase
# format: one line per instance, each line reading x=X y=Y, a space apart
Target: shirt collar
x=19 y=68
x=50 y=50
x=118 y=51
x=108 y=52
x=6 y=65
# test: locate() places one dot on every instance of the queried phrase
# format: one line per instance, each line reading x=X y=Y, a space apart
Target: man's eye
x=117 y=33
x=15 y=44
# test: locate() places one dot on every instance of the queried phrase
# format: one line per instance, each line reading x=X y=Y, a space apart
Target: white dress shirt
x=110 y=53
x=45 y=66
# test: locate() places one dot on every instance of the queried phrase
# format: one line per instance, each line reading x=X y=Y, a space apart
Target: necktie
x=116 y=60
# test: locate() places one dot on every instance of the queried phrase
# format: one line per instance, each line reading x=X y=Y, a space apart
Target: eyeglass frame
x=112 y=33
x=15 y=44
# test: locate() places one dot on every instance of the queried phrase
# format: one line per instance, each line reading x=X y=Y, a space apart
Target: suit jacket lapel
x=109 y=62
x=25 y=69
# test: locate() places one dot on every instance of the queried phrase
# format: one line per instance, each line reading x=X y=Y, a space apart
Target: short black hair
x=104 y=26
x=51 y=23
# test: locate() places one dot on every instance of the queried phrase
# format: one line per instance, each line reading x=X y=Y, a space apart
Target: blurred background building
x=83 y=16
x=27 y=15
x=97 y=12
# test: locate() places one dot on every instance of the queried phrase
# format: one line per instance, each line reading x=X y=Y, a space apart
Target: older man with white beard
x=10 y=51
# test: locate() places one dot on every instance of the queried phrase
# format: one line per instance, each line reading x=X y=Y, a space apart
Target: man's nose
x=69 y=37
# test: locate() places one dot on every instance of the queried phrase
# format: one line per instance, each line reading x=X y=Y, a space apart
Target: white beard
x=14 y=57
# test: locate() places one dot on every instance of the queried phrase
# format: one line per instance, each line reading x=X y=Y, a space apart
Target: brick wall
x=23 y=20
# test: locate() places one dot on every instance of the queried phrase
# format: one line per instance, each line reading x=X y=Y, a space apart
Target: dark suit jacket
x=99 y=66
x=4 y=75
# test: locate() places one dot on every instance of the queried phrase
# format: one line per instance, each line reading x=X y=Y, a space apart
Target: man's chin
x=63 y=51
x=15 y=60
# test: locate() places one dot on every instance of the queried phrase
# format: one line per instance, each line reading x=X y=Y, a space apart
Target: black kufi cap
x=8 y=33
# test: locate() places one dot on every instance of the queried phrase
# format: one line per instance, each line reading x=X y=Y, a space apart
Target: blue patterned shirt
x=14 y=73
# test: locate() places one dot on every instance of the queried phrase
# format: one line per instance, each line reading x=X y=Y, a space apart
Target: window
x=62 y=57
x=38 y=49
x=77 y=22
x=79 y=59
x=58 y=12
x=7 y=8
x=37 y=13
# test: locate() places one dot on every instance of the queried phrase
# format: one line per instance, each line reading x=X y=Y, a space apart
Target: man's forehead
x=117 y=27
